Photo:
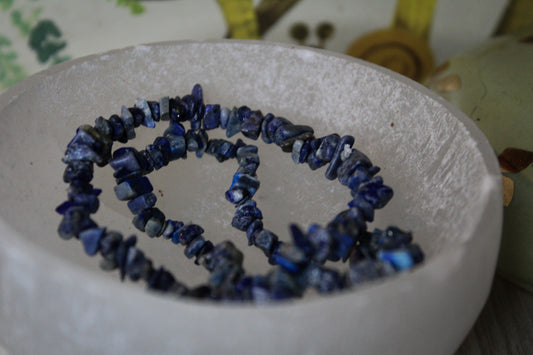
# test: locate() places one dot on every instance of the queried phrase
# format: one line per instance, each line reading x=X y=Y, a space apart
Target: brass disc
x=396 y=49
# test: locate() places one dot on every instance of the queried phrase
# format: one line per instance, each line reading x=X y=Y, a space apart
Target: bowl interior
x=427 y=156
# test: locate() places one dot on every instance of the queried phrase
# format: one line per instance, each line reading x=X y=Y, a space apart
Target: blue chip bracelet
x=297 y=265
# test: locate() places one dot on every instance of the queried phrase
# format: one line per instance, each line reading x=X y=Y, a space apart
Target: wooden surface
x=505 y=325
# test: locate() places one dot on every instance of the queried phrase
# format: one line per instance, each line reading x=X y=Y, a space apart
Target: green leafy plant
x=10 y=71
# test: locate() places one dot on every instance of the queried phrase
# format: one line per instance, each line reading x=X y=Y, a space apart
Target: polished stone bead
x=135 y=263
x=161 y=280
x=245 y=182
x=194 y=247
x=245 y=215
x=400 y=259
x=283 y=285
x=243 y=288
x=270 y=126
x=108 y=265
x=142 y=202
x=90 y=239
x=200 y=292
x=301 y=241
x=265 y=240
x=155 y=224
x=119 y=131
x=313 y=162
x=351 y=221
x=78 y=170
x=170 y=227
x=286 y=134
x=328 y=280
x=128 y=122
x=88 y=144
x=175 y=128
x=193 y=141
x=354 y=215
x=245 y=151
x=212 y=117
x=346 y=142
x=126 y=161
x=327 y=147
x=122 y=254
x=75 y=220
x=364 y=206
x=146 y=161
x=251 y=125
x=234 y=124
x=224 y=117
x=164 y=108
x=391 y=238
x=322 y=241
x=158 y=158
x=358 y=177
x=221 y=149
x=178 y=147
x=254 y=227
x=82 y=152
x=343 y=246
x=163 y=145
x=142 y=218
x=243 y=113
x=103 y=127
x=224 y=253
x=237 y=195
x=249 y=169
x=247 y=208
x=222 y=277
x=109 y=244
x=260 y=294
x=203 y=256
x=197 y=92
x=196 y=122
x=80 y=187
x=300 y=150
x=138 y=116
x=367 y=270
x=130 y=189
x=88 y=200
x=187 y=233
x=190 y=105
x=154 y=109
x=148 y=119
x=177 y=111
x=266 y=121
x=203 y=139
x=375 y=193
x=248 y=159
x=147 y=269
x=178 y=289
x=348 y=166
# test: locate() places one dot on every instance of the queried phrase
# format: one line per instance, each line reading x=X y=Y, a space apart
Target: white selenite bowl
x=55 y=300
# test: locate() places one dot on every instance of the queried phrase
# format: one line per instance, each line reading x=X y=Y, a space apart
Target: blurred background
x=477 y=54
x=35 y=34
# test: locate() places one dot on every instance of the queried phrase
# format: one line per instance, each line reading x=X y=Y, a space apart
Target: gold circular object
x=396 y=49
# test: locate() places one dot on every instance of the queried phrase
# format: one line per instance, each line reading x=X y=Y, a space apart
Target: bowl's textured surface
x=54 y=299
